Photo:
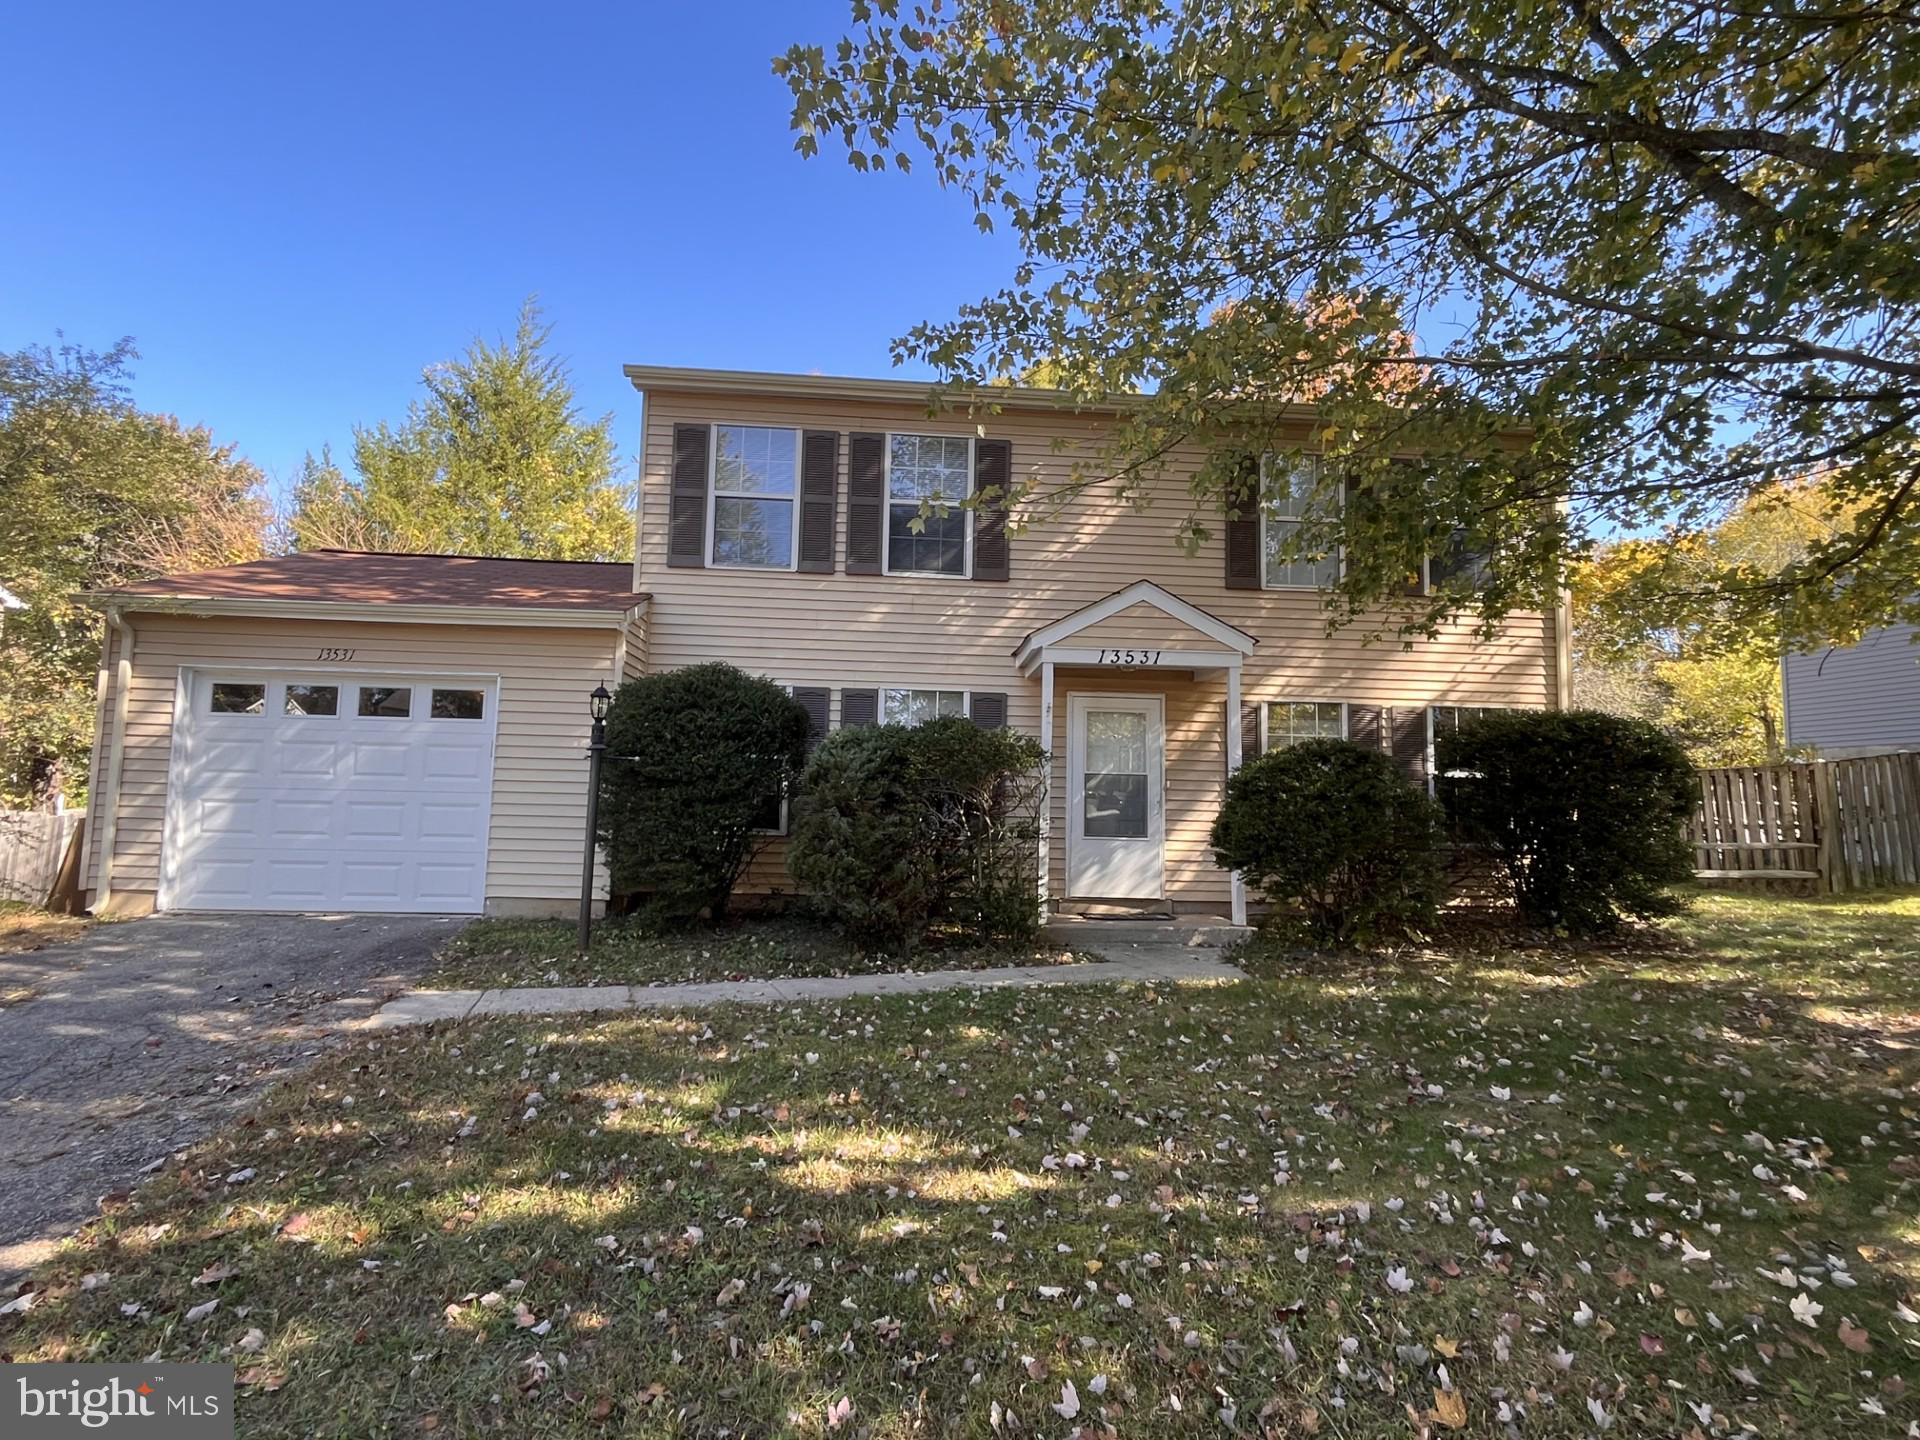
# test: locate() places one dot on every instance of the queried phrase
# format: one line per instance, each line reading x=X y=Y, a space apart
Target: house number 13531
x=1129 y=657
x=331 y=652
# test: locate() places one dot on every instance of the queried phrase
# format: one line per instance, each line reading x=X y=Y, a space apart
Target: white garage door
x=325 y=792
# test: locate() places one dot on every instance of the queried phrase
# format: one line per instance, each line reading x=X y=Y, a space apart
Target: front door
x=1116 y=818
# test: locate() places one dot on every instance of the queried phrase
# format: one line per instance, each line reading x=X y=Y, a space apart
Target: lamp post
x=597 y=704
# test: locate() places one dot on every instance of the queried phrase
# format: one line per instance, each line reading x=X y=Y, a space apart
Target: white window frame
x=715 y=494
x=966 y=511
x=966 y=699
x=1345 y=733
x=1339 y=556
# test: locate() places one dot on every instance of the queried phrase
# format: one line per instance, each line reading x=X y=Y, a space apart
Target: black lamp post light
x=597 y=704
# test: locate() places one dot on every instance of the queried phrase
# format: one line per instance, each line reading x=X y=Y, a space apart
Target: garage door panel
x=310 y=759
x=300 y=812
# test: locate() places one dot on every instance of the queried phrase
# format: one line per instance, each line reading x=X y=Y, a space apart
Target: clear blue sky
x=292 y=211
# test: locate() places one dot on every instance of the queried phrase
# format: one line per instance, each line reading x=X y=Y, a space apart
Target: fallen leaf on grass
x=1450 y=1409
x=1854 y=1337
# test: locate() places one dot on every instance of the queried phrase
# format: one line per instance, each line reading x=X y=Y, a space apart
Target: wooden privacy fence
x=1834 y=825
x=35 y=848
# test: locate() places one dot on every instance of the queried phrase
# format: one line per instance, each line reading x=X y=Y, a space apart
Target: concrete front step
x=1193 y=932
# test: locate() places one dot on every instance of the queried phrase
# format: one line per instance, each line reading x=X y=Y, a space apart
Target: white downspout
x=107 y=806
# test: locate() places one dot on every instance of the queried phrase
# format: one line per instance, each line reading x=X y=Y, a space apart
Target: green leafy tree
x=495 y=459
x=1658 y=257
x=1656 y=635
x=93 y=493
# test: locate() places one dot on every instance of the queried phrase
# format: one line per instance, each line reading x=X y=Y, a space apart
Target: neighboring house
x=1858 y=700
x=350 y=731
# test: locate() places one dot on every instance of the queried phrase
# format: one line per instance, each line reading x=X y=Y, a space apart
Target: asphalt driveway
x=142 y=1036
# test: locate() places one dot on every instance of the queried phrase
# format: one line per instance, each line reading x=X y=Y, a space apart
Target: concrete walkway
x=1135 y=951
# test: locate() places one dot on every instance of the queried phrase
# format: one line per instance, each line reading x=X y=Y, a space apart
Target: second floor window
x=928 y=480
x=754 y=475
x=1288 y=497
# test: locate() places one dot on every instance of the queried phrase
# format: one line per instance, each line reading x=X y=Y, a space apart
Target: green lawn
x=1531 y=1193
x=544 y=952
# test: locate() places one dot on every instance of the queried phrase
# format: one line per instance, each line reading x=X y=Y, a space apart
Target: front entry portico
x=1116 y=808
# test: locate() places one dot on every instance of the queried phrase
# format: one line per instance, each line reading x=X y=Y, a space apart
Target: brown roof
x=364 y=577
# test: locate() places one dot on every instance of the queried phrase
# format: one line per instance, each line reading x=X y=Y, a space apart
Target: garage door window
x=459 y=704
x=387 y=702
x=313 y=700
x=239 y=700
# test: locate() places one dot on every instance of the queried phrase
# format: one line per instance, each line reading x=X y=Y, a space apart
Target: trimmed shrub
x=1585 y=812
x=859 y=844
x=982 y=791
x=696 y=761
x=898 y=828
x=1333 y=829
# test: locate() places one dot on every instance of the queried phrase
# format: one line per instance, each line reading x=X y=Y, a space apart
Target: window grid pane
x=239 y=700
x=1291 y=721
x=458 y=705
x=312 y=700
x=917 y=707
x=752 y=532
x=387 y=702
x=939 y=548
x=753 y=460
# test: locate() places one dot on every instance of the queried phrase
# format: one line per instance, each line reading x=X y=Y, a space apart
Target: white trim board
x=1231 y=637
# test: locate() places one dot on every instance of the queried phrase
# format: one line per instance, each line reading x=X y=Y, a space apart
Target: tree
x=1662 y=258
x=494 y=460
x=1657 y=638
x=93 y=493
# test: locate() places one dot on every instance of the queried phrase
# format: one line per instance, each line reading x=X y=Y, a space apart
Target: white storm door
x=1116 y=814
x=332 y=792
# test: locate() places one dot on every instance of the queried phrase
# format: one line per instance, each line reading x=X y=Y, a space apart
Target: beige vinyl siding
x=866 y=631
x=1142 y=626
x=633 y=653
x=539 y=781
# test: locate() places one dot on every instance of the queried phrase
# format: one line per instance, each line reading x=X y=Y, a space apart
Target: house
x=1858 y=699
x=339 y=730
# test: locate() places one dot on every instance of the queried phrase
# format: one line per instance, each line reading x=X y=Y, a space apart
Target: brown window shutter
x=992 y=479
x=1364 y=726
x=988 y=707
x=687 y=498
x=814 y=699
x=1249 y=733
x=819 y=494
x=866 y=502
x=859 y=707
x=1407 y=726
x=1243 y=525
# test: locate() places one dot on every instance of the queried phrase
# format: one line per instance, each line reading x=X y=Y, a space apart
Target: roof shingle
x=371 y=578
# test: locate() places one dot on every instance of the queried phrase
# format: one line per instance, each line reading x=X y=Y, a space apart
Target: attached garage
x=329 y=792
x=342 y=731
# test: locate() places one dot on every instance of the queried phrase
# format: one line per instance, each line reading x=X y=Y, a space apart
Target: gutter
x=109 y=804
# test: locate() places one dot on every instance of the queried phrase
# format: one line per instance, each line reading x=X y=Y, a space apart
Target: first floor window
x=754 y=481
x=1449 y=718
x=1289 y=497
x=772 y=816
x=1291 y=721
x=928 y=480
x=917 y=707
